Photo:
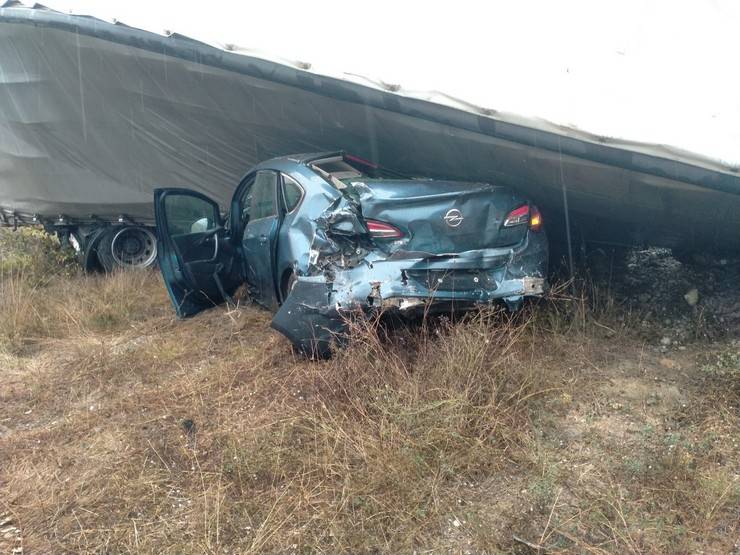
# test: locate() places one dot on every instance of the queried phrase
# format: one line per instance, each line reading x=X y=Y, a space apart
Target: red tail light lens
x=518 y=216
x=525 y=214
x=382 y=230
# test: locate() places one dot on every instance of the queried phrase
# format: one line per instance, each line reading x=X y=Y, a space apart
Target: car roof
x=303 y=159
x=288 y=162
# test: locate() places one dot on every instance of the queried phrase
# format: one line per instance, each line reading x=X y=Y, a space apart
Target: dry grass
x=64 y=307
x=123 y=430
x=18 y=305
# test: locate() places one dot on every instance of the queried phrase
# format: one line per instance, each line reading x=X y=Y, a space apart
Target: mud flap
x=308 y=317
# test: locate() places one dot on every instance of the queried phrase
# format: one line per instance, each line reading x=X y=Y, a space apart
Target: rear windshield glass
x=340 y=171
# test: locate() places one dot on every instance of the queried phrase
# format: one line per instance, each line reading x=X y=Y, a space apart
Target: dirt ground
x=599 y=422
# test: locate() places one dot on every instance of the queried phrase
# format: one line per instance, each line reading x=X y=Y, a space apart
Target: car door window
x=259 y=200
x=244 y=199
x=189 y=214
x=292 y=193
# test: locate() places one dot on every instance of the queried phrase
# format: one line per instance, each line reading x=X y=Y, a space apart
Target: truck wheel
x=88 y=254
x=127 y=247
x=134 y=247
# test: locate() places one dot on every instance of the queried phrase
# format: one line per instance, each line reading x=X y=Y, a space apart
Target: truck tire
x=88 y=254
x=126 y=247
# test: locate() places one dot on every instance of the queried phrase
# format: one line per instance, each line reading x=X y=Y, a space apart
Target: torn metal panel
x=315 y=313
x=479 y=276
x=308 y=318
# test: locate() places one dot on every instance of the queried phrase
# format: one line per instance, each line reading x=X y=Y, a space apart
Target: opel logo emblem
x=453 y=218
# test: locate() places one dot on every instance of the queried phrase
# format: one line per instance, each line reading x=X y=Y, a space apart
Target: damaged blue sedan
x=317 y=237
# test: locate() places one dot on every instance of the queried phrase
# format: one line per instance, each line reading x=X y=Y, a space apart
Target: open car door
x=196 y=257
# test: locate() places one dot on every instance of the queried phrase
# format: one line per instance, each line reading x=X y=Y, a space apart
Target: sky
x=661 y=72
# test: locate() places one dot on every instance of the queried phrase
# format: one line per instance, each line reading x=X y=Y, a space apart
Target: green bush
x=34 y=253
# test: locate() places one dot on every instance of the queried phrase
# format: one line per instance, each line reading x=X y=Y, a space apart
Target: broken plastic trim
x=308 y=319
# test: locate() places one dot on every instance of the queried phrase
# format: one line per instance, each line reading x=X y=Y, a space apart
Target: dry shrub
x=585 y=308
x=395 y=427
x=20 y=318
x=100 y=303
x=42 y=294
x=29 y=259
x=34 y=254
x=34 y=312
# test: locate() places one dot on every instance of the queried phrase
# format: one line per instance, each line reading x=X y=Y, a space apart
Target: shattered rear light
x=517 y=216
x=382 y=230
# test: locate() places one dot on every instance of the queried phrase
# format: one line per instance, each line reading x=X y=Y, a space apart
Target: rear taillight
x=517 y=216
x=382 y=230
x=525 y=214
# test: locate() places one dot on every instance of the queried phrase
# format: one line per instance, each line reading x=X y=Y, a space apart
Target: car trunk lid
x=441 y=217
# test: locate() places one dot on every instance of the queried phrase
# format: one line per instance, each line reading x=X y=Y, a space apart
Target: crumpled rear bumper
x=315 y=311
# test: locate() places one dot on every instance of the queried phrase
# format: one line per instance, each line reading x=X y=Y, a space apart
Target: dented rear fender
x=308 y=317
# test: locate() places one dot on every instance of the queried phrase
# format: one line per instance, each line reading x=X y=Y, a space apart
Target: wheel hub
x=134 y=247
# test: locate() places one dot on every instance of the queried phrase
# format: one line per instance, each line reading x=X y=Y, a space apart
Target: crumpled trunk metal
x=433 y=267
